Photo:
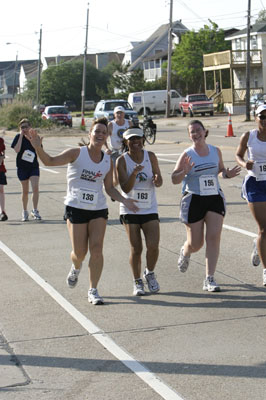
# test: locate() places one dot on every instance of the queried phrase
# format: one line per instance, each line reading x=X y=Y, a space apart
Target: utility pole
x=39 y=69
x=169 y=66
x=15 y=75
x=83 y=92
x=248 y=66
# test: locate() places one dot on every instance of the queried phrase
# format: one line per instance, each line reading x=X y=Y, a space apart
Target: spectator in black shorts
x=27 y=169
x=3 y=181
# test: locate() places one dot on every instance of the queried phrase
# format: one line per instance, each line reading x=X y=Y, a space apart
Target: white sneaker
x=183 y=261
x=35 y=214
x=72 y=277
x=210 y=285
x=25 y=216
x=151 y=281
x=94 y=297
x=264 y=277
x=255 y=258
x=138 y=288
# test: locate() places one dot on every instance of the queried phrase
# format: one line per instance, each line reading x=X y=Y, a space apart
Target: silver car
x=105 y=108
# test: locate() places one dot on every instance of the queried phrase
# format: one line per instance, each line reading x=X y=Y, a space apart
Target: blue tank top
x=205 y=167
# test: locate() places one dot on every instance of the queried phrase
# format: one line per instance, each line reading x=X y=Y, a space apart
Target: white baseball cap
x=261 y=108
x=119 y=108
x=133 y=132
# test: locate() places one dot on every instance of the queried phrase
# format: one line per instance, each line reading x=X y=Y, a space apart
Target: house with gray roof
x=150 y=54
x=13 y=77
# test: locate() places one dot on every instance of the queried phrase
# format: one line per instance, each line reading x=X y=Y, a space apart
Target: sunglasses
x=262 y=117
x=24 y=126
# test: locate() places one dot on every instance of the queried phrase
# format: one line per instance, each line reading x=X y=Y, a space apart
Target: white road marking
x=165 y=391
x=167 y=154
x=166 y=159
x=49 y=170
x=243 y=231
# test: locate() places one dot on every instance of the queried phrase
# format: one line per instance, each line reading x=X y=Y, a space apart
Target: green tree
x=126 y=81
x=64 y=82
x=187 y=60
x=261 y=16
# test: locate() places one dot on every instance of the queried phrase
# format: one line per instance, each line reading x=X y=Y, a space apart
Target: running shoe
x=72 y=277
x=25 y=216
x=151 y=281
x=264 y=277
x=210 y=285
x=183 y=261
x=3 y=216
x=255 y=258
x=35 y=214
x=138 y=287
x=94 y=297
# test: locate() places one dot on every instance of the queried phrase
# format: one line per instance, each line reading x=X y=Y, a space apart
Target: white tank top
x=256 y=151
x=144 y=189
x=85 y=182
x=116 y=139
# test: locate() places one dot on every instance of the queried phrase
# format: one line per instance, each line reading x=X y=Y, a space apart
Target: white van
x=147 y=102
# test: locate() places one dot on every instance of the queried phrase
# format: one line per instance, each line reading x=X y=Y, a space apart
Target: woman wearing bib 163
x=203 y=202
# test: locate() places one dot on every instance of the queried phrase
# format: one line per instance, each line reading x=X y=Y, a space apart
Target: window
x=151 y=64
x=254 y=42
x=157 y=63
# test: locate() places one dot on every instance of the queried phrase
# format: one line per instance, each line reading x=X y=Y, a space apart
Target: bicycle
x=149 y=129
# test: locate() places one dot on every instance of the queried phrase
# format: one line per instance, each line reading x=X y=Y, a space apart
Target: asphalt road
x=182 y=343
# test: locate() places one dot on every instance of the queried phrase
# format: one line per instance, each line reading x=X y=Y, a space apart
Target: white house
x=229 y=69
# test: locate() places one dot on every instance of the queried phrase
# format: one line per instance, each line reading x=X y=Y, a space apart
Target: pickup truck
x=196 y=104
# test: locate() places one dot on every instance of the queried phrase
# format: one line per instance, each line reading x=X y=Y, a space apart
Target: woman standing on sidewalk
x=3 y=181
x=89 y=170
x=139 y=174
x=203 y=202
x=28 y=170
x=254 y=185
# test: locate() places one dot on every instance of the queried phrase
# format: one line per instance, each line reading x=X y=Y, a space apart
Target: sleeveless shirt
x=85 y=182
x=204 y=166
x=144 y=189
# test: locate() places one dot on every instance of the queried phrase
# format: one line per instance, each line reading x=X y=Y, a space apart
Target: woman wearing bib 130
x=89 y=170
x=203 y=202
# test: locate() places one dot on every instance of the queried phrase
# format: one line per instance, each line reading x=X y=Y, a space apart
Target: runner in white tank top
x=114 y=143
x=139 y=174
x=254 y=186
x=89 y=169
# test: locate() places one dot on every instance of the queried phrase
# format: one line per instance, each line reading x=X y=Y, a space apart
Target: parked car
x=58 y=114
x=89 y=105
x=70 y=105
x=196 y=104
x=256 y=100
x=39 y=108
x=105 y=108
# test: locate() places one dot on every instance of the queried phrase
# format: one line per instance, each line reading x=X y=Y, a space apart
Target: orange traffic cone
x=230 y=132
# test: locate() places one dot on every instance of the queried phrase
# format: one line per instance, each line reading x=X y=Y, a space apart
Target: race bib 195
x=208 y=185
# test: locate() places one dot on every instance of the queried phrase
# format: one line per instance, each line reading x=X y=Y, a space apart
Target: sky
x=113 y=24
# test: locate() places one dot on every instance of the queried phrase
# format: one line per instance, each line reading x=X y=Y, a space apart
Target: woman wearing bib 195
x=254 y=185
x=139 y=174
x=203 y=202
x=89 y=170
